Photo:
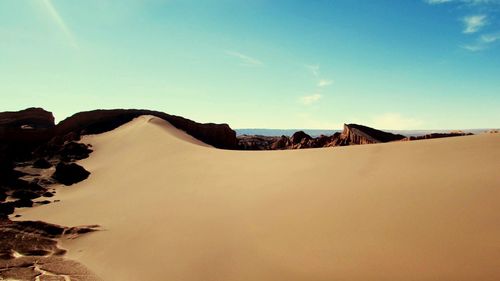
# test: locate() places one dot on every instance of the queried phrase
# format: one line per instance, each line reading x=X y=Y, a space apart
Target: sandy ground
x=175 y=209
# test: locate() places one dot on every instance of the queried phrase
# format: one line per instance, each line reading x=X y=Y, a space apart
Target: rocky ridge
x=352 y=134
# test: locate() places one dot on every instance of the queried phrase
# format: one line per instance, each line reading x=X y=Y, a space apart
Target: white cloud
x=474 y=23
x=469 y=2
x=56 y=17
x=490 y=38
x=244 y=59
x=324 y=82
x=482 y=43
x=434 y=2
x=474 y=48
x=395 y=121
x=310 y=99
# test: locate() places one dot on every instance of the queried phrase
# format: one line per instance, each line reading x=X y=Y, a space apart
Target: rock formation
x=351 y=135
x=359 y=134
x=99 y=121
x=437 y=135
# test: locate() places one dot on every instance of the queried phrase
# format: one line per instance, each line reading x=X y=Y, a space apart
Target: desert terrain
x=173 y=208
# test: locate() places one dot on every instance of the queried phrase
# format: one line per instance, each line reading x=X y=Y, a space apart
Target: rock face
x=359 y=134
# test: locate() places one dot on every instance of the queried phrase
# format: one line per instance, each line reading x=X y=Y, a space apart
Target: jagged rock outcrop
x=351 y=135
x=359 y=134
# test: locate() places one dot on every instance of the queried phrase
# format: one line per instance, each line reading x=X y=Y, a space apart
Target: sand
x=172 y=208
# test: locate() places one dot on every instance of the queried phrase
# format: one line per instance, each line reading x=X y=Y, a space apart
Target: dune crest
x=172 y=209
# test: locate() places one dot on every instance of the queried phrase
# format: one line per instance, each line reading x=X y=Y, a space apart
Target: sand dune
x=173 y=208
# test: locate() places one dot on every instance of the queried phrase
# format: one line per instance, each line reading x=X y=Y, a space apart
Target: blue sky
x=422 y=64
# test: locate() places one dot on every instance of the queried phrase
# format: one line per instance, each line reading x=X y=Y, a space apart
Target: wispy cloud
x=474 y=48
x=469 y=2
x=314 y=69
x=474 y=23
x=482 y=43
x=244 y=59
x=310 y=99
x=59 y=21
x=434 y=2
x=490 y=38
x=324 y=83
x=321 y=83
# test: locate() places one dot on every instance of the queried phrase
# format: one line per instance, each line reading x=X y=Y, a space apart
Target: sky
x=409 y=64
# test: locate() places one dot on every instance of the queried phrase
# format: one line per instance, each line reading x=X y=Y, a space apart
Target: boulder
x=23 y=203
x=69 y=174
x=74 y=151
x=24 y=194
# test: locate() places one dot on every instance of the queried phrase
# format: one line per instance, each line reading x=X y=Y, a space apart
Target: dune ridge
x=172 y=208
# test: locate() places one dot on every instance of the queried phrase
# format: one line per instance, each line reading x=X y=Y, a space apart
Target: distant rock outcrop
x=359 y=134
x=437 y=136
x=351 y=135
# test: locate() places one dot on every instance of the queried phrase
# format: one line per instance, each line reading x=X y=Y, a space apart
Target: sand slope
x=175 y=209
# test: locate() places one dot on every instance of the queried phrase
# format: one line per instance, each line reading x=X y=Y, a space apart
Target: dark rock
x=22 y=131
x=299 y=137
x=257 y=142
x=44 y=202
x=6 y=209
x=69 y=174
x=74 y=151
x=282 y=143
x=48 y=194
x=42 y=163
x=23 y=203
x=20 y=184
x=24 y=194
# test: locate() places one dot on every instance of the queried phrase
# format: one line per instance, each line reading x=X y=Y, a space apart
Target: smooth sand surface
x=175 y=209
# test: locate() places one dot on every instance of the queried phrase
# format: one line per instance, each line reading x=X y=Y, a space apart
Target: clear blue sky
x=405 y=64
